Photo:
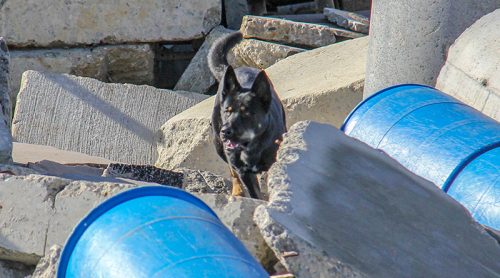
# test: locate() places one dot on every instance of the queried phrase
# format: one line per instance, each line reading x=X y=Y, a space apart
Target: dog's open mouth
x=231 y=145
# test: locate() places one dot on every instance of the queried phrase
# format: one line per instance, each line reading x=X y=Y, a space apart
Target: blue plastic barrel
x=155 y=231
x=439 y=138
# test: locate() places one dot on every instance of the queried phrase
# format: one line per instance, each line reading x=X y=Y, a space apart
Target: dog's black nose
x=226 y=132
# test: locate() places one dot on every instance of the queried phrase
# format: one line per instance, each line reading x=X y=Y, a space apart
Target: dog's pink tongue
x=231 y=145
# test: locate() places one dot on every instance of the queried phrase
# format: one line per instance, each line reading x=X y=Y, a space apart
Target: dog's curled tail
x=217 y=55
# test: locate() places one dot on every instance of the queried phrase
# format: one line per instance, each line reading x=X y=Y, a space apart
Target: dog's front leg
x=237 y=187
x=252 y=185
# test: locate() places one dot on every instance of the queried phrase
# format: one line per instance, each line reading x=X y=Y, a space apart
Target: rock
x=26 y=208
x=47 y=267
x=23 y=153
x=472 y=69
x=324 y=85
x=260 y=54
x=10 y=269
x=291 y=32
x=114 y=121
x=118 y=63
x=237 y=214
x=409 y=39
x=197 y=76
x=340 y=208
x=5 y=105
x=187 y=179
x=72 y=22
x=349 y=20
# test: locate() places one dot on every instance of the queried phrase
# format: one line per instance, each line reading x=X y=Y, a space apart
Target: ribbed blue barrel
x=155 y=231
x=439 y=138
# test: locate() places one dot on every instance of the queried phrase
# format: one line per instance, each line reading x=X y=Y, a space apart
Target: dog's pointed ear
x=263 y=89
x=230 y=82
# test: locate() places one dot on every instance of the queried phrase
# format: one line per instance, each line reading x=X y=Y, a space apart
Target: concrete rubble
x=108 y=98
x=339 y=208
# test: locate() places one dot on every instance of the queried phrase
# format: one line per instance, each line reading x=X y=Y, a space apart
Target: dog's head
x=244 y=109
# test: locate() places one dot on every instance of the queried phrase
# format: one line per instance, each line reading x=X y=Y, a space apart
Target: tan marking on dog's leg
x=237 y=186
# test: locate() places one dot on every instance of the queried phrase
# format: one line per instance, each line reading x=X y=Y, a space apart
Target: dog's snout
x=226 y=132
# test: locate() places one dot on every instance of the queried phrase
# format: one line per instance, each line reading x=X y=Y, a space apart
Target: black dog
x=248 y=119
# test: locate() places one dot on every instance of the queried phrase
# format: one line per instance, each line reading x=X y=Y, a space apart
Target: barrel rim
x=351 y=114
x=114 y=201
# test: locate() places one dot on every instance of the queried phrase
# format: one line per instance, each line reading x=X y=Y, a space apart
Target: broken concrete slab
x=114 y=121
x=57 y=23
x=23 y=153
x=260 y=54
x=292 y=33
x=5 y=105
x=73 y=203
x=132 y=64
x=323 y=84
x=472 y=69
x=197 y=76
x=326 y=195
x=26 y=208
x=349 y=20
x=409 y=39
x=47 y=267
x=237 y=215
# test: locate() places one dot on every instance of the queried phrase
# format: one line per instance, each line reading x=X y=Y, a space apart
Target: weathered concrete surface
x=260 y=54
x=340 y=208
x=197 y=76
x=27 y=206
x=73 y=203
x=410 y=39
x=91 y=22
x=132 y=64
x=47 y=267
x=9 y=269
x=349 y=20
x=324 y=85
x=113 y=121
x=5 y=105
x=237 y=214
x=472 y=69
x=292 y=32
x=237 y=9
x=24 y=153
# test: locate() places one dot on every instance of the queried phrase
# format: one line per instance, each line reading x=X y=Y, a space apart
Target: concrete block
x=26 y=209
x=260 y=54
x=197 y=76
x=349 y=20
x=47 y=267
x=323 y=84
x=114 y=121
x=339 y=208
x=132 y=64
x=73 y=203
x=25 y=153
x=237 y=215
x=237 y=9
x=291 y=32
x=72 y=22
x=472 y=69
x=410 y=40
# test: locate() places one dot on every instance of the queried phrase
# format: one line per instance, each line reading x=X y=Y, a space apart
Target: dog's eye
x=229 y=110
